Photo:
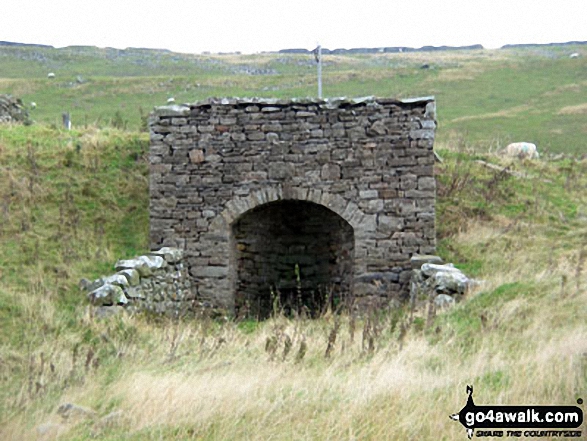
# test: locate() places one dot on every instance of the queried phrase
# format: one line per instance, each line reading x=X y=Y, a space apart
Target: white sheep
x=522 y=150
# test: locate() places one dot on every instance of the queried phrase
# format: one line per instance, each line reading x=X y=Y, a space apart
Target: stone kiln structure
x=308 y=201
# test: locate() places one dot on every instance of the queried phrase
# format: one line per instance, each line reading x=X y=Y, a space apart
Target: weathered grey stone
x=377 y=128
x=426 y=183
x=12 y=110
x=117 y=279
x=417 y=260
x=270 y=109
x=196 y=156
x=368 y=194
x=444 y=283
x=171 y=255
x=303 y=114
x=430 y=269
x=107 y=294
x=211 y=271
x=136 y=264
x=451 y=281
x=389 y=224
x=428 y=124
x=330 y=172
x=132 y=276
x=135 y=292
x=174 y=110
x=430 y=111
x=145 y=265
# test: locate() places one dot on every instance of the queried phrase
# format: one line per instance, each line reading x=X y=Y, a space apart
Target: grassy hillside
x=68 y=212
x=72 y=203
x=495 y=96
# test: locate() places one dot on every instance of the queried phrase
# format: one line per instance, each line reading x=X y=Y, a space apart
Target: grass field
x=494 y=96
x=73 y=202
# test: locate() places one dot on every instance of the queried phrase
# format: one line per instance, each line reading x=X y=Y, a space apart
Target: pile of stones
x=12 y=110
x=434 y=281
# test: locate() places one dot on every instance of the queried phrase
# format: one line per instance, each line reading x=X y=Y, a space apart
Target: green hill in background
x=536 y=94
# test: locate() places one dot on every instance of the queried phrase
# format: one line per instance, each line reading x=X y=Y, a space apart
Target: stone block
x=426 y=183
x=196 y=156
x=107 y=294
x=214 y=272
x=330 y=172
x=170 y=254
x=368 y=194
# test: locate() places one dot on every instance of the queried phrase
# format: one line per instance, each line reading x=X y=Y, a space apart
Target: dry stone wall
x=262 y=195
x=157 y=282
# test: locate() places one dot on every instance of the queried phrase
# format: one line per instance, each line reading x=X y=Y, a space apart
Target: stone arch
x=327 y=264
x=346 y=209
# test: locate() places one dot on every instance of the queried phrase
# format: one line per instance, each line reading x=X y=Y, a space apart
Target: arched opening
x=292 y=255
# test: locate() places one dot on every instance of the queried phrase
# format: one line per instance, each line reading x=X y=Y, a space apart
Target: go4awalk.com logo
x=519 y=421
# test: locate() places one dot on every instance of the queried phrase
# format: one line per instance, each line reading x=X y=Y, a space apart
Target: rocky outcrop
x=12 y=110
x=433 y=281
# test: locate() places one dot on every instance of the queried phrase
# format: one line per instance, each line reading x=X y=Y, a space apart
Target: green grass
x=494 y=96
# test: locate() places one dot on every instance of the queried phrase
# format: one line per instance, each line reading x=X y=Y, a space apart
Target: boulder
x=451 y=281
x=444 y=284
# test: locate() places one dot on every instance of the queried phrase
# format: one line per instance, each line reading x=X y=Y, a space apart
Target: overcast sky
x=250 y=26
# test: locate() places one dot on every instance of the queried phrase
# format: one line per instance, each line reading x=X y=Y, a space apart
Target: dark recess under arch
x=296 y=251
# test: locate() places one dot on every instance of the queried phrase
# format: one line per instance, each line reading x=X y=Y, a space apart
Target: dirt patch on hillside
x=579 y=109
